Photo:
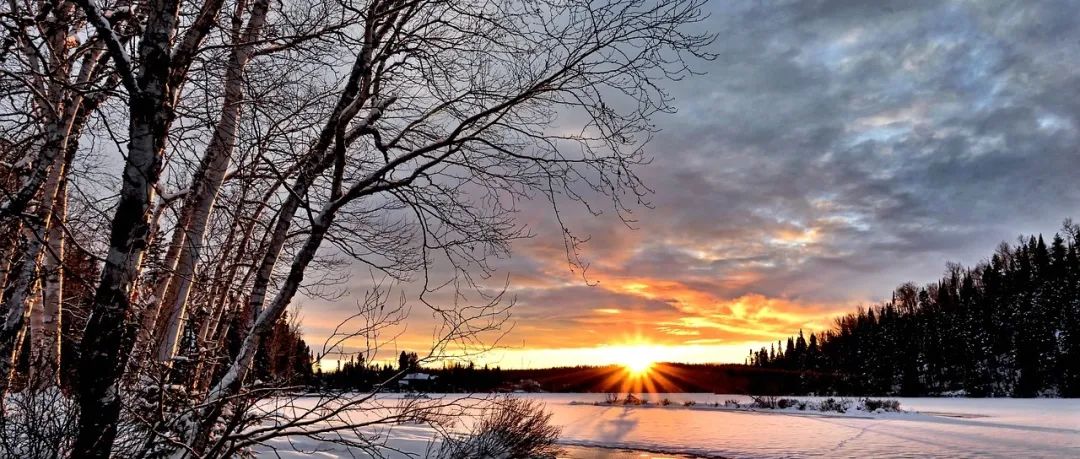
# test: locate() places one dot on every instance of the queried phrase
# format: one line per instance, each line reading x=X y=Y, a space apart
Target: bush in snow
x=841 y=405
x=872 y=405
x=832 y=404
x=772 y=403
x=513 y=428
x=763 y=402
x=785 y=403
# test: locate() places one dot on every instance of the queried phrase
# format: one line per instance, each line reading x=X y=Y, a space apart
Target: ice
x=1011 y=427
x=932 y=427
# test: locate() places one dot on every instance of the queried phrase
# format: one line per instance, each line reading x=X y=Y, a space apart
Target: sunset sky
x=833 y=150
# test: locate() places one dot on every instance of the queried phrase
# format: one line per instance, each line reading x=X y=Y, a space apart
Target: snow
x=931 y=427
x=418 y=377
x=1021 y=428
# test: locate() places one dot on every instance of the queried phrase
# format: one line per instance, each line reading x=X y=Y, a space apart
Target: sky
x=831 y=151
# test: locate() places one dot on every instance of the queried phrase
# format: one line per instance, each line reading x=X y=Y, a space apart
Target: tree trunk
x=56 y=31
x=263 y=324
x=208 y=182
x=45 y=325
x=106 y=338
x=25 y=284
x=71 y=108
x=48 y=173
x=9 y=253
x=148 y=332
x=259 y=320
x=109 y=334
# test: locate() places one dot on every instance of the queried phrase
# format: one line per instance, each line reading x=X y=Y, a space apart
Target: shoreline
x=586 y=450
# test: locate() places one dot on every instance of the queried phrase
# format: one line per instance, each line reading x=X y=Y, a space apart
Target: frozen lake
x=935 y=427
x=989 y=427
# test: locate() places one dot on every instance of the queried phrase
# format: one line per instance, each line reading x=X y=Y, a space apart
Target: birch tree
x=207 y=180
x=152 y=89
x=446 y=95
x=270 y=148
x=60 y=80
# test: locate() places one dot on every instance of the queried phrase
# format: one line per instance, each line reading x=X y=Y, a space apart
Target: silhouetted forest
x=1009 y=326
x=352 y=375
x=283 y=357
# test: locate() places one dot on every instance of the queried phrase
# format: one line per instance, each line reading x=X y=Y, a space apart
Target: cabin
x=416 y=382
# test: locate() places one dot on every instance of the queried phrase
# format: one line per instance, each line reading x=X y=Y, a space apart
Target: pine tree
x=1007 y=327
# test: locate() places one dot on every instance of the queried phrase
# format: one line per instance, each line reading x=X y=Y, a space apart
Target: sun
x=636 y=360
x=639 y=367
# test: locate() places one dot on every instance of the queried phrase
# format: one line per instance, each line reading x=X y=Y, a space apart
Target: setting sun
x=637 y=367
x=636 y=359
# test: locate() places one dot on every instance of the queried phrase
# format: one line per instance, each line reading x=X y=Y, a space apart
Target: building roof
x=418 y=377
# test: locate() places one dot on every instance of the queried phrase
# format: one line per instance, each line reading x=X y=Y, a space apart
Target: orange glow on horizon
x=629 y=322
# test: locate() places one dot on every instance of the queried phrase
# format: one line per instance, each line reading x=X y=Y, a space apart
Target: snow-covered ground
x=932 y=427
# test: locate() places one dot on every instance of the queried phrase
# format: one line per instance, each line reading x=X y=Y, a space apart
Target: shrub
x=831 y=404
x=763 y=402
x=665 y=402
x=731 y=403
x=873 y=405
x=784 y=403
x=689 y=403
x=513 y=428
x=771 y=402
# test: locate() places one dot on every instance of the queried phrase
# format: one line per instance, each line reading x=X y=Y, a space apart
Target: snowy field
x=932 y=427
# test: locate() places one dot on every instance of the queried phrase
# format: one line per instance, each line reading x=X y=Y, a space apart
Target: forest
x=663 y=377
x=1009 y=326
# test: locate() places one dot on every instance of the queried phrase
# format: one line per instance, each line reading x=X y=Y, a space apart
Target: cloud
x=833 y=150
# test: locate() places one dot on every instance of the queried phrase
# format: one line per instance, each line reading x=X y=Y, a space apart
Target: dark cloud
x=833 y=150
x=901 y=135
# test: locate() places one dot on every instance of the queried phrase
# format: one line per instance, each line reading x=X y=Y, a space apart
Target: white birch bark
x=45 y=321
x=152 y=98
x=208 y=182
x=19 y=304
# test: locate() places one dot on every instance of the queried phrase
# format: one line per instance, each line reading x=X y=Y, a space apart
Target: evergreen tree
x=1007 y=327
x=408 y=361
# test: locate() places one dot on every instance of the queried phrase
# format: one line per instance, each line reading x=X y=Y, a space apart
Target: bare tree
x=152 y=88
x=207 y=180
x=272 y=147
x=481 y=97
x=56 y=81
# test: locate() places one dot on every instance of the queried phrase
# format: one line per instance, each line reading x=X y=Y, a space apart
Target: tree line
x=357 y=373
x=1009 y=326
